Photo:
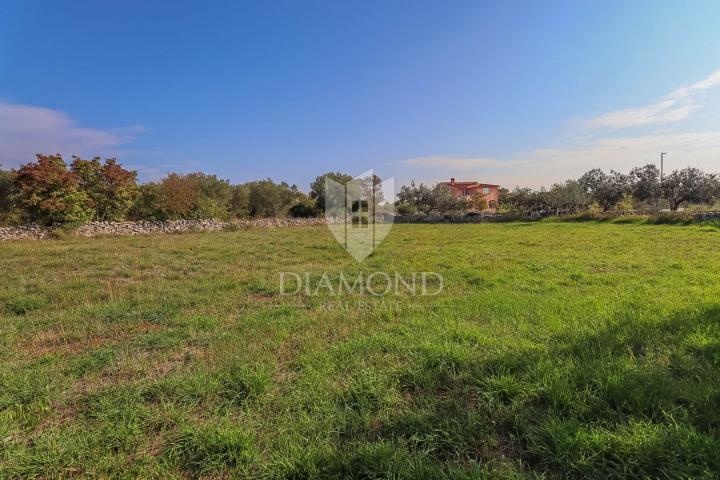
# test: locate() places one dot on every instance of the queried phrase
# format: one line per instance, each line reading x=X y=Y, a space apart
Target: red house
x=469 y=190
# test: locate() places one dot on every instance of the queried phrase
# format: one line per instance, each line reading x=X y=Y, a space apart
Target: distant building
x=472 y=190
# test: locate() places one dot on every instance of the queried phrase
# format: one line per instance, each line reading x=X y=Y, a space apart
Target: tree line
x=51 y=191
x=643 y=189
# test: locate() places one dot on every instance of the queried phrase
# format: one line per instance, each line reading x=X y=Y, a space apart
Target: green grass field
x=556 y=350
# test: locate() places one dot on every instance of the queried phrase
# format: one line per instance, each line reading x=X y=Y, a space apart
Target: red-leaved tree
x=49 y=193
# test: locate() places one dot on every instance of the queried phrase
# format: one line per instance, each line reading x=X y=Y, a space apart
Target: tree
x=645 y=183
x=111 y=189
x=7 y=195
x=268 y=199
x=240 y=201
x=569 y=197
x=415 y=198
x=372 y=188
x=214 y=196
x=423 y=199
x=317 y=187
x=711 y=189
x=49 y=193
x=478 y=203
x=686 y=185
x=503 y=203
x=178 y=196
x=443 y=201
x=147 y=203
x=525 y=201
x=606 y=190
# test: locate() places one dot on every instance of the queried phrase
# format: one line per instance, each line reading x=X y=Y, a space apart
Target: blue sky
x=518 y=93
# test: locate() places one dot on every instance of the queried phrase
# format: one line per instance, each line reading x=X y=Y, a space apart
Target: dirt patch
x=60 y=341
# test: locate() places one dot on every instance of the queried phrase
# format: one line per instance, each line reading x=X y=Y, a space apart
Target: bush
x=304 y=210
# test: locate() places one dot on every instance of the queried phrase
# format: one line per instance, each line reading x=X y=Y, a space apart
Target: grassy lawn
x=555 y=349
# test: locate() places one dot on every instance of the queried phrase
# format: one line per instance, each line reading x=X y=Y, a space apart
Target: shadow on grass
x=660 y=219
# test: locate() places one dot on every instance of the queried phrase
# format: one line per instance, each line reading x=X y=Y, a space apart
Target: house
x=474 y=190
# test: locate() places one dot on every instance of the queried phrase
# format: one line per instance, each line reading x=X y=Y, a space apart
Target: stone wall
x=25 y=232
x=99 y=229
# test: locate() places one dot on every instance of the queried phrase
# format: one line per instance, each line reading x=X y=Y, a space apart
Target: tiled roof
x=466 y=184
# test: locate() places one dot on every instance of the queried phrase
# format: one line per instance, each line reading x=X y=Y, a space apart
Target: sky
x=511 y=92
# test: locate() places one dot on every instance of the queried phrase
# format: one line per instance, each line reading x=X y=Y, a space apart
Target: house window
x=466 y=192
x=486 y=190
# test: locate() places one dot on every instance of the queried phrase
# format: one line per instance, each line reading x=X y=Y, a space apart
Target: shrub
x=305 y=209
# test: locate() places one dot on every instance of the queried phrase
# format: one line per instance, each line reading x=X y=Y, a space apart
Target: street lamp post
x=662 y=164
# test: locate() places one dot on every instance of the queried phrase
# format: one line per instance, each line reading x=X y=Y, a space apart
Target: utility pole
x=662 y=164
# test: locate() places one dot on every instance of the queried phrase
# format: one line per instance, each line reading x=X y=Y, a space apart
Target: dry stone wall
x=25 y=232
x=99 y=229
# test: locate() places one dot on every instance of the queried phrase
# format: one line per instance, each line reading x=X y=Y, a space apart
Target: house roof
x=469 y=184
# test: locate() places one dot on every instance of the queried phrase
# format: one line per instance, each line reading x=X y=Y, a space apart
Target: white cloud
x=698 y=147
x=448 y=162
x=674 y=107
x=546 y=166
x=27 y=130
x=543 y=167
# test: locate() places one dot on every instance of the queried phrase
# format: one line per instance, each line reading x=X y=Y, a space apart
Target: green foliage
x=214 y=198
x=404 y=209
x=626 y=203
x=646 y=183
x=8 y=197
x=423 y=199
x=606 y=189
x=110 y=188
x=240 y=201
x=478 y=203
x=269 y=199
x=304 y=209
x=568 y=197
x=147 y=203
x=197 y=195
x=317 y=187
x=686 y=185
x=524 y=201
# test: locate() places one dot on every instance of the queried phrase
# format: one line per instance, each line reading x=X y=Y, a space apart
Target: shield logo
x=361 y=212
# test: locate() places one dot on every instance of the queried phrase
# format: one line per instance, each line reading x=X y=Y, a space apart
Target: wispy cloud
x=26 y=130
x=674 y=107
x=449 y=162
x=543 y=167
x=574 y=155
